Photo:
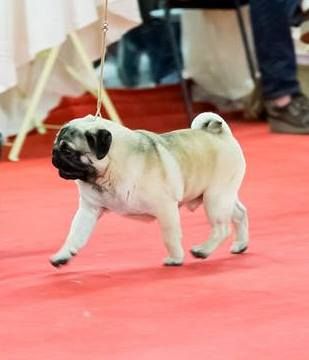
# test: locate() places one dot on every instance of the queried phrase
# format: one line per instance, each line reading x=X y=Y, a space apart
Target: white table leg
x=30 y=113
x=108 y=104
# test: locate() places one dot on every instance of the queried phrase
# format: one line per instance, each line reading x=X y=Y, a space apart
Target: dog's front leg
x=169 y=220
x=82 y=225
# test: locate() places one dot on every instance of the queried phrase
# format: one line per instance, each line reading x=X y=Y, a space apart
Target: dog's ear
x=99 y=143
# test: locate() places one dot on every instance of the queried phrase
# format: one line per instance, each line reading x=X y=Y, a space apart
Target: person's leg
x=128 y=57
x=274 y=48
x=287 y=110
x=294 y=11
x=162 y=59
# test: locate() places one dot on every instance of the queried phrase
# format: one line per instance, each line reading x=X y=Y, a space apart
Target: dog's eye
x=64 y=147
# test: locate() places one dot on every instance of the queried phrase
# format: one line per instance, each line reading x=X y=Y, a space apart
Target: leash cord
x=104 y=29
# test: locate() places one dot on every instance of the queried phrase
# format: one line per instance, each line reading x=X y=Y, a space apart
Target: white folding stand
x=30 y=120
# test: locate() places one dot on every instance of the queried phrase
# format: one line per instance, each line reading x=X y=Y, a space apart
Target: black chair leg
x=178 y=63
x=245 y=40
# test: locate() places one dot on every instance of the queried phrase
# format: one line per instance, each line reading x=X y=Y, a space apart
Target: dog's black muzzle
x=69 y=164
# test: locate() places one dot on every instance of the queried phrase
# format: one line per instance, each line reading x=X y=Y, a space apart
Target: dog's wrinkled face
x=76 y=149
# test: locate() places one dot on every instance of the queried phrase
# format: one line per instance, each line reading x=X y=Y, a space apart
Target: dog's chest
x=124 y=201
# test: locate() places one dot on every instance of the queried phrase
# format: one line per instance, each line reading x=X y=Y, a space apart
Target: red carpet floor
x=115 y=301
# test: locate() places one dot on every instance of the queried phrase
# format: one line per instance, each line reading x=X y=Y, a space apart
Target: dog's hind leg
x=240 y=221
x=219 y=208
x=169 y=219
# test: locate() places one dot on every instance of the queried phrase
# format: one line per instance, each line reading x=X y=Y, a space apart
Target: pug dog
x=141 y=173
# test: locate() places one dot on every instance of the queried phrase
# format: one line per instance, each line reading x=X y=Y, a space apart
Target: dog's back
x=206 y=153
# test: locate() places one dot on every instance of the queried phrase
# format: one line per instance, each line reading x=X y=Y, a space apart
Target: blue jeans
x=271 y=21
x=149 y=38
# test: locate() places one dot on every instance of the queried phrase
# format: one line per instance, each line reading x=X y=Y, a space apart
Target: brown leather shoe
x=304 y=29
x=290 y=119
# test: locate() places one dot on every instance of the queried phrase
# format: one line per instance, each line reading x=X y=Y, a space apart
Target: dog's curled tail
x=210 y=122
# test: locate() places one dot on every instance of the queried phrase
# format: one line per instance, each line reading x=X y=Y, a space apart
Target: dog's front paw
x=239 y=248
x=198 y=252
x=61 y=258
x=169 y=261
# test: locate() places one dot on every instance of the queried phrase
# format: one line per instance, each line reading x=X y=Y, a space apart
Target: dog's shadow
x=72 y=283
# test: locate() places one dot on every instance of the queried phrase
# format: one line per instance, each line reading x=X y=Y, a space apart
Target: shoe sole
x=281 y=127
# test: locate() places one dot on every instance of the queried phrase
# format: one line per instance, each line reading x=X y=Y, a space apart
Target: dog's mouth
x=72 y=175
x=70 y=166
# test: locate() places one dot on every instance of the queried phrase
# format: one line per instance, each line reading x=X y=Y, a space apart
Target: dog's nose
x=55 y=157
x=55 y=152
